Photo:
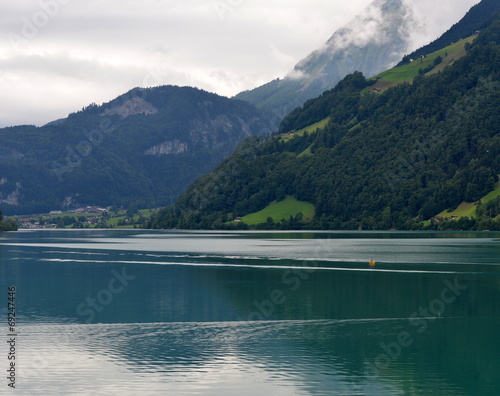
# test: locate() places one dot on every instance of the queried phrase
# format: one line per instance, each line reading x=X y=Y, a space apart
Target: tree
x=8 y=225
x=131 y=210
x=78 y=224
x=299 y=217
x=386 y=218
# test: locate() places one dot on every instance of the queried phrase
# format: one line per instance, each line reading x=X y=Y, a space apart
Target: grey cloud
x=101 y=48
x=65 y=66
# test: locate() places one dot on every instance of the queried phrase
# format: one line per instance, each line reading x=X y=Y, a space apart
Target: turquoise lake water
x=138 y=312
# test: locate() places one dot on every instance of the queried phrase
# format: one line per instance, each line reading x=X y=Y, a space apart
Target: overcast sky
x=57 y=56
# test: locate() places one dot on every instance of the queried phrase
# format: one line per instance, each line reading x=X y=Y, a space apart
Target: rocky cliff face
x=131 y=107
x=168 y=148
x=10 y=196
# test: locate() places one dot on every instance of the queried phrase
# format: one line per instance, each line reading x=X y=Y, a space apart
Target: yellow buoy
x=372 y=263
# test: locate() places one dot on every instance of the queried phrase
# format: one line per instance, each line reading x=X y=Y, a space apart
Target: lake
x=139 y=312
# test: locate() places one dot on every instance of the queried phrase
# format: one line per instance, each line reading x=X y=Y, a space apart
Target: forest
x=392 y=160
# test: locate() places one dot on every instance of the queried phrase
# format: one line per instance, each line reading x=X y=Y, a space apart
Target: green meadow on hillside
x=468 y=209
x=406 y=73
x=281 y=210
x=309 y=129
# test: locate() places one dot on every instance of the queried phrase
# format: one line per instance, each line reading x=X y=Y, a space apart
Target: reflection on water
x=135 y=312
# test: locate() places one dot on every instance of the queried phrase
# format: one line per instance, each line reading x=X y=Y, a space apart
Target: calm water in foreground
x=104 y=312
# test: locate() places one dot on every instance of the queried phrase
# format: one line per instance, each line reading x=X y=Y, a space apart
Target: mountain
x=372 y=42
x=143 y=148
x=476 y=19
x=376 y=39
x=369 y=158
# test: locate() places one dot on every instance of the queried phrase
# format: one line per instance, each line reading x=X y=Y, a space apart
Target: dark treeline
x=7 y=225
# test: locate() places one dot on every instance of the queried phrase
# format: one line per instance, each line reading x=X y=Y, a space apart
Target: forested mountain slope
x=143 y=148
x=389 y=160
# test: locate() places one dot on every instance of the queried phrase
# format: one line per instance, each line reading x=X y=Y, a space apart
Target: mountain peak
x=383 y=27
x=374 y=40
